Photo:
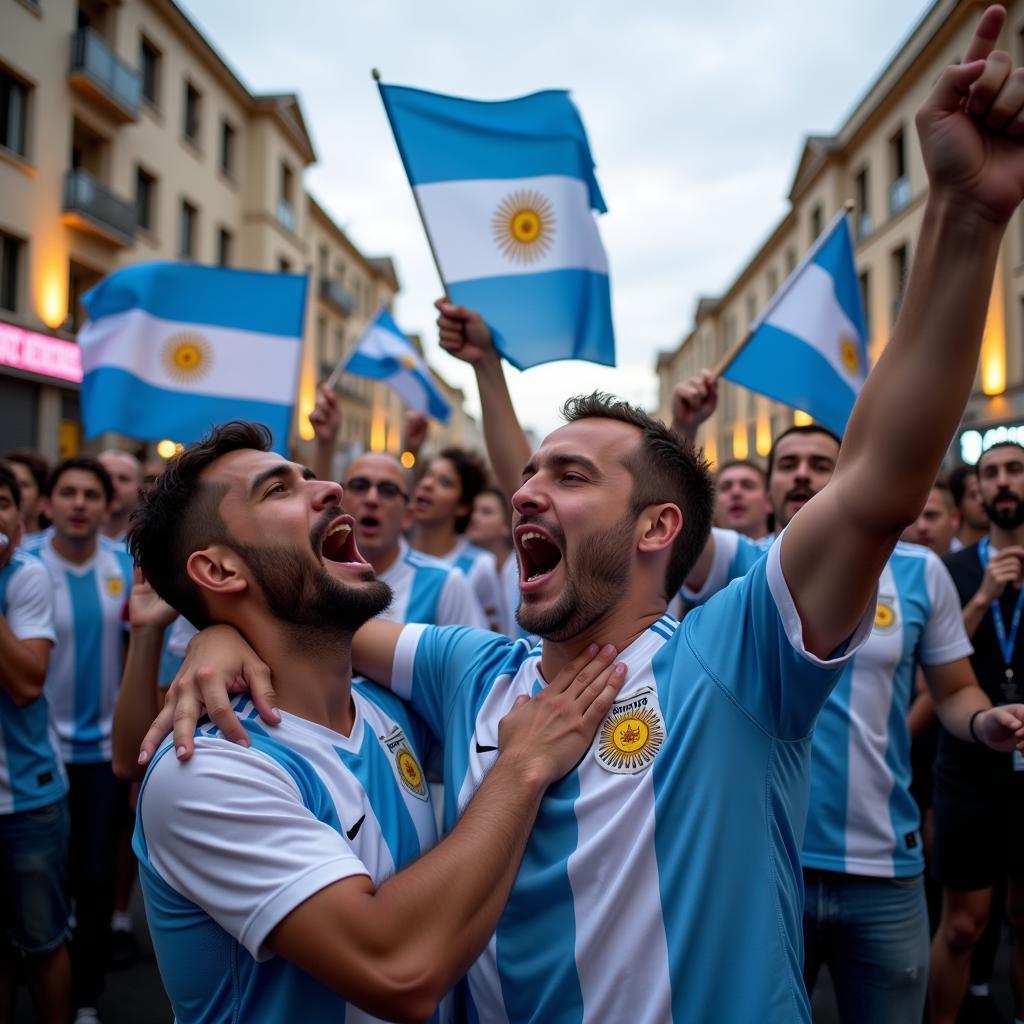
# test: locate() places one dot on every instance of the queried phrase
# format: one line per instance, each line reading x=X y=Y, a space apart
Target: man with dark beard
x=979 y=794
x=278 y=859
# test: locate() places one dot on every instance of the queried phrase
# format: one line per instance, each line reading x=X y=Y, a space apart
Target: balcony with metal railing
x=98 y=73
x=334 y=292
x=91 y=207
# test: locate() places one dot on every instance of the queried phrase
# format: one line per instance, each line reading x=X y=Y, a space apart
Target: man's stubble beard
x=592 y=589
x=314 y=602
x=1001 y=519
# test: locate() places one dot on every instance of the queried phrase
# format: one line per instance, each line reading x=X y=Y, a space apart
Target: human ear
x=659 y=527
x=217 y=569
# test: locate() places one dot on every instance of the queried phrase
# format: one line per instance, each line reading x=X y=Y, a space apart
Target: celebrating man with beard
x=662 y=878
x=979 y=793
x=279 y=875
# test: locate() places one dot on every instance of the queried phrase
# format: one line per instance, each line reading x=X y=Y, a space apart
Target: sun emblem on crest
x=885 y=617
x=849 y=354
x=115 y=586
x=524 y=226
x=410 y=772
x=187 y=356
x=631 y=735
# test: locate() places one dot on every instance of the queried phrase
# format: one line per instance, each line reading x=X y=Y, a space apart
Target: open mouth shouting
x=539 y=556
x=336 y=544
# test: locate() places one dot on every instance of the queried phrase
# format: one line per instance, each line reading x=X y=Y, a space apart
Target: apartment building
x=126 y=137
x=875 y=161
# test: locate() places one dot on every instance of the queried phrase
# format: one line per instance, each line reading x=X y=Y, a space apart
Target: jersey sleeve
x=944 y=638
x=734 y=556
x=228 y=831
x=750 y=639
x=483 y=578
x=30 y=603
x=436 y=667
x=457 y=605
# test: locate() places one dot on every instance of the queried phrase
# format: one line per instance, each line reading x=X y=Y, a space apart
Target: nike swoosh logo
x=354 y=830
x=482 y=748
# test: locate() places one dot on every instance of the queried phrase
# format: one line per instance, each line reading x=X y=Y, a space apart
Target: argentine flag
x=507 y=192
x=384 y=353
x=808 y=348
x=172 y=348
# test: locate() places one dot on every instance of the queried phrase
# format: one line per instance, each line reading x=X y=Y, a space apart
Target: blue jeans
x=33 y=878
x=873 y=935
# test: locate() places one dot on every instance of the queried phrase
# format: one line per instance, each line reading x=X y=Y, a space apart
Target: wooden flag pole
x=726 y=361
x=375 y=73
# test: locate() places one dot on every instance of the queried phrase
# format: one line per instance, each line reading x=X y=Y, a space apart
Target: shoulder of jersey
x=21 y=558
x=422 y=561
x=33 y=543
x=904 y=549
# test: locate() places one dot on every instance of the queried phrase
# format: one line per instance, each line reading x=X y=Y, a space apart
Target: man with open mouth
x=282 y=858
x=662 y=878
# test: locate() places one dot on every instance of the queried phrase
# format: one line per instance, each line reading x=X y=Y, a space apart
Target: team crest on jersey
x=885 y=614
x=115 y=586
x=407 y=769
x=632 y=734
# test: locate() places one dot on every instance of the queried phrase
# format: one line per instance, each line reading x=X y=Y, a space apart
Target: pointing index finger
x=986 y=35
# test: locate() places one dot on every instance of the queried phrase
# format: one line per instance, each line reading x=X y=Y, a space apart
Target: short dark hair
x=10 y=481
x=665 y=468
x=473 y=477
x=37 y=466
x=180 y=514
x=745 y=464
x=806 y=428
x=942 y=486
x=996 y=447
x=958 y=482
x=87 y=464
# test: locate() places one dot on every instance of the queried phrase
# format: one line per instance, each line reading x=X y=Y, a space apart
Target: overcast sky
x=695 y=112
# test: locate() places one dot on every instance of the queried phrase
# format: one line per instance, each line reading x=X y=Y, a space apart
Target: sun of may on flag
x=172 y=348
x=384 y=353
x=507 y=194
x=808 y=348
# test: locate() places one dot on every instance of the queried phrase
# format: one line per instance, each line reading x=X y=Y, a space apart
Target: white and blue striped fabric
x=507 y=193
x=425 y=589
x=172 y=348
x=31 y=770
x=85 y=665
x=233 y=841
x=384 y=353
x=863 y=820
x=662 y=878
x=808 y=348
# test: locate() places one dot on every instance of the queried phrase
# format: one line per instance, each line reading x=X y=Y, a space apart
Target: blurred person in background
x=32 y=472
x=126 y=474
x=973 y=523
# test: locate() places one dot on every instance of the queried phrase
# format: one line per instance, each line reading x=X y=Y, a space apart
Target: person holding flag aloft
x=662 y=878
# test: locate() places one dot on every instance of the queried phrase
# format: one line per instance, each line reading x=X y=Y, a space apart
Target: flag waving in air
x=384 y=353
x=808 y=348
x=507 y=194
x=172 y=348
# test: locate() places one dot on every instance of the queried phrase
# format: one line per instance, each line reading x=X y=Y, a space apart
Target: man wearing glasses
x=425 y=589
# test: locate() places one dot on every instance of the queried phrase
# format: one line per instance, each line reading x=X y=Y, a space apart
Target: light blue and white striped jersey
x=481 y=569
x=734 y=556
x=863 y=820
x=85 y=666
x=230 y=842
x=31 y=770
x=662 y=878
x=429 y=590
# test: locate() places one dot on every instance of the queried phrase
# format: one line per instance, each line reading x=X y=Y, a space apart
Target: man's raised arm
x=971 y=129
x=465 y=335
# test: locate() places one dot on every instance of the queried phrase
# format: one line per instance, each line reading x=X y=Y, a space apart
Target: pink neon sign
x=27 y=350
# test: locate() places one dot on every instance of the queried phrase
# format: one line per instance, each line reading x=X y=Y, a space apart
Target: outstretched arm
x=464 y=335
x=922 y=381
x=325 y=420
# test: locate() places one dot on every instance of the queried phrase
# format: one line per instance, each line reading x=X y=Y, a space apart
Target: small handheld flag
x=808 y=348
x=384 y=353
x=506 y=192
x=172 y=348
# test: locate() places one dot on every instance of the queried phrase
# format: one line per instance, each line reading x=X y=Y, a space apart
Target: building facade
x=125 y=137
x=874 y=161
